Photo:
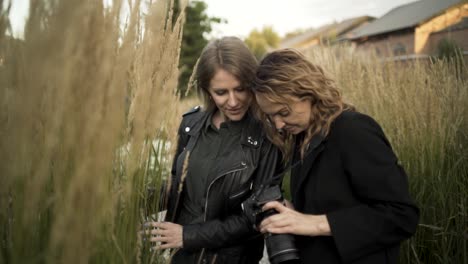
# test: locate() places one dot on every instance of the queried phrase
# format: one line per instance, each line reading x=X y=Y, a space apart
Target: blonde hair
x=286 y=74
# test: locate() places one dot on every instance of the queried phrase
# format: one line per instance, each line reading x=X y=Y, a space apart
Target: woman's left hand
x=167 y=234
x=290 y=221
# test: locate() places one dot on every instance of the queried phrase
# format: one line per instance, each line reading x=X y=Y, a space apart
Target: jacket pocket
x=242 y=192
x=237 y=196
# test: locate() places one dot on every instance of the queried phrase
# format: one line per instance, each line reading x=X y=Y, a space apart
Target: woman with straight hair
x=350 y=195
x=226 y=156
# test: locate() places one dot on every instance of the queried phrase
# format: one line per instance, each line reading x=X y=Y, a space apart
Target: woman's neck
x=218 y=118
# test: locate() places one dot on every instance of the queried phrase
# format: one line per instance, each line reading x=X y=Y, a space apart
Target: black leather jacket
x=225 y=235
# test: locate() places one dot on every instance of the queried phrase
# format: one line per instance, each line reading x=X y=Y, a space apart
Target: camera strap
x=312 y=145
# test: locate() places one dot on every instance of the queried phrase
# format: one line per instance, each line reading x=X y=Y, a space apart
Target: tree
x=294 y=33
x=260 y=42
x=197 y=25
x=271 y=37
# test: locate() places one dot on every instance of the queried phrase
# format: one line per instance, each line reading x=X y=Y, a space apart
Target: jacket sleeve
x=170 y=189
x=217 y=233
x=387 y=214
x=236 y=227
x=181 y=143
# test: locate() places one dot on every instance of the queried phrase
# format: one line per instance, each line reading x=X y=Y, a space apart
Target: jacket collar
x=250 y=129
x=232 y=126
x=193 y=126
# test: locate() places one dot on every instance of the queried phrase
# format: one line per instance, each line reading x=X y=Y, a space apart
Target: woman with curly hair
x=350 y=195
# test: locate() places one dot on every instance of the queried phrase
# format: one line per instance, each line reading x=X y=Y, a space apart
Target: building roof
x=405 y=16
x=309 y=34
x=347 y=25
x=327 y=31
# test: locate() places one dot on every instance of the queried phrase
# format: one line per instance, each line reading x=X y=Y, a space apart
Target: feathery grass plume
x=81 y=105
x=422 y=108
x=181 y=184
x=192 y=81
x=179 y=192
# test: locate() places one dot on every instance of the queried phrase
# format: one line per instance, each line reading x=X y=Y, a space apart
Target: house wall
x=421 y=40
x=390 y=44
x=460 y=37
x=308 y=44
x=424 y=31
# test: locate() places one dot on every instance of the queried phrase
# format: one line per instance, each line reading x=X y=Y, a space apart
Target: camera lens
x=281 y=249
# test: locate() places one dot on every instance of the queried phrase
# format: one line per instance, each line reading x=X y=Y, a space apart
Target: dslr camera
x=280 y=247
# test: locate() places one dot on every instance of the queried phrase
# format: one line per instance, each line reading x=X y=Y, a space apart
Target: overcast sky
x=283 y=15
x=289 y=15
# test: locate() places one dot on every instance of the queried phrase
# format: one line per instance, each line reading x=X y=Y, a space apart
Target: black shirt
x=212 y=145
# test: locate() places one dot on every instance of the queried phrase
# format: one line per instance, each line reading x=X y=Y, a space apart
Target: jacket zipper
x=242 y=192
x=207 y=195
x=211 y=184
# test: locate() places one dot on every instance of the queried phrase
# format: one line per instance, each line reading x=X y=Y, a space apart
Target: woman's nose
x=232 y=100
x=279 y=123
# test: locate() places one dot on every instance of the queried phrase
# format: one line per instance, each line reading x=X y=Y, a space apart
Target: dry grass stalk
x=69 y=84
x=181 y=183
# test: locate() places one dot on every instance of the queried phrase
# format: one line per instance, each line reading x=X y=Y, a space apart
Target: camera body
x=280 y=247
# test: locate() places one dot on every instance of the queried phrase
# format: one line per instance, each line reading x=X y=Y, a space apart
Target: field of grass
x=88 y=115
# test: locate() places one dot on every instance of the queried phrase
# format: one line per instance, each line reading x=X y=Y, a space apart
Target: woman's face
x=230 y=97
x=292 y=116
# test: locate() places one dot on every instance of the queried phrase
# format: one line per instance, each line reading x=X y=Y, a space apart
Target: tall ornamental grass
x=423 y=109
x=87 y=115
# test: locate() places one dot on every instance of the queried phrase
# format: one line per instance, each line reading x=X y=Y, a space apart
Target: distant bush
x=448 y=48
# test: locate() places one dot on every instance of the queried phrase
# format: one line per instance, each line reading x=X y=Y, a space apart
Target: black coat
x=354 y=178
x=226 y=235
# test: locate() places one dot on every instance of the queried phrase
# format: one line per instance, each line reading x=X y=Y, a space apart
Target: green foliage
x=448 y=48
x=197 y=25
x=270 y=36
x=260 y=42
x=257 y=43
x=294 y=33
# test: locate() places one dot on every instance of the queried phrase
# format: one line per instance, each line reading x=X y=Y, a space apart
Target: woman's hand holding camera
x=289 y=221
x=165 y=234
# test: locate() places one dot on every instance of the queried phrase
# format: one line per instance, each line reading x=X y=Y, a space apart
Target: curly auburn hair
x=286 y=74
